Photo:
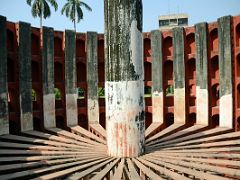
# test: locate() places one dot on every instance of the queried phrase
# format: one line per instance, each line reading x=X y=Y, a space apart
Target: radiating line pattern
x=80 y=154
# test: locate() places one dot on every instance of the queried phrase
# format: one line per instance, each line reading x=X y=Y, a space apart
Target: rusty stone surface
x=157 y=107
x=48 y=77
x=4 y=124
x=92 y=77
x=157 y=77
x=70 y=78
x=225 y=67
x=202 y=94
x=25 y=76
x=179 y=76
x=124 y=75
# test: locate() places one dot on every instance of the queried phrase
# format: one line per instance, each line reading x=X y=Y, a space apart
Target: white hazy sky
x=198 y=11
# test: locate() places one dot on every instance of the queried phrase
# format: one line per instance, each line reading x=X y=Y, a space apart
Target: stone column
x=157 y=77
x=179 y=76
x=25 y=76
x=92 y=78
x=4 y=122
x=48 y=77
x=202 y=94
x=225 y=67
x=124 y=86
x=70 y=78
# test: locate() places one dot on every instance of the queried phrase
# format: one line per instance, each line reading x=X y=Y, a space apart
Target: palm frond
x=41 y=7
x=73 y=13
x=54 y=4
x=68 y=11
x=73 y=10
x=64 y=8
x=46 y=10
x=79 y=14
x=29 y=2
x=85 y=5
x=36 y=9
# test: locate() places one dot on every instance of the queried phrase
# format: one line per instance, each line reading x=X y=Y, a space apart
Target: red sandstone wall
x=190 y=71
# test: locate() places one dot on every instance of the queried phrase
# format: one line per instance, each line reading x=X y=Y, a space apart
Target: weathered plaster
x=4 y=123
x=125 y=118
x=93 y=111
x=179 y=106
x=225 y=67
x=157 y=77
x=48 y=78
x=202 y=106
x=70 y=78
x=49 y=110
x=25 y=76
x=72 y=111
x=124 y=86
x=26 y=121
x=201 y=44
x=92 y=78
x=202 y=95
x=157 y=107
x=157 y=61
x=179 y=76
x=136 y=46
x=179 y=58
x=226 y=111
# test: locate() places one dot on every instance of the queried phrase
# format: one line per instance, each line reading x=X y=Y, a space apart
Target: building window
x=163 y=23
x=173 y=22
x=182 y=21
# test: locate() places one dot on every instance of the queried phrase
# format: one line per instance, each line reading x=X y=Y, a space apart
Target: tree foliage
x=57 y=94
x=73 y=10
x=41 y=9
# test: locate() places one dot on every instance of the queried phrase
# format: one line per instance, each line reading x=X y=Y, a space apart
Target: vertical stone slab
x=225 y=67
x=25 y=76
x=92 y=78
x=48 y=77
x=70 y=78
x=179 y=76
x=157 y=76
x=201 y=43
x=124 y=86
x=4 y=122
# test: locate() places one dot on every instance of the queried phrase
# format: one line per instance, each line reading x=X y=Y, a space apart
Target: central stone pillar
x=124 y=86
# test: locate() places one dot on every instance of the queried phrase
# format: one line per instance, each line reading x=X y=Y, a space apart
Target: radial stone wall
x=124 y=78
x=192 y=132
x=4 y=124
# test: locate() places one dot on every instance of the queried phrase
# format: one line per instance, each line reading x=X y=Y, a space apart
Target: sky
x=198 y=11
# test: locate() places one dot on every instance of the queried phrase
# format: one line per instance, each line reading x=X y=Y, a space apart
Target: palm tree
x=41 y=9
x=73 y=10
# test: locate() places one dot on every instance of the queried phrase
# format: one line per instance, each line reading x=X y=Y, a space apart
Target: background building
x=173 y=20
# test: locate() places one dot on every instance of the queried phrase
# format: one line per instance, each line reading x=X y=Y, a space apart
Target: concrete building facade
x=172 y=20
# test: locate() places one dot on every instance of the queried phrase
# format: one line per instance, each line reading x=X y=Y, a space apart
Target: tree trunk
x=124 y=85
x=41 y=16
x=41 y=22
x=74 y=22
